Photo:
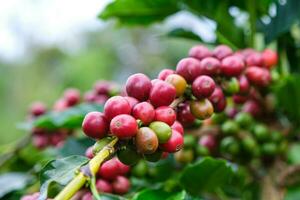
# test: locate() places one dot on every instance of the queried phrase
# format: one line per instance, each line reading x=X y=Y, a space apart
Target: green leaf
x=287 y=88
x=206 y=175
x=13 y=181
x=75 y=146
x=71 y=118
x=286 y=16
x=183 y=33
x=58 y=173
x=133 y=12
x=292 y=193
x=293 y=154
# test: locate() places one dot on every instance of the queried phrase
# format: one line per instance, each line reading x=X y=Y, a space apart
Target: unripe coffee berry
x=121 y=185
x=178 y=82
x=103 y=186
x=162 y=94
x=165 y=73
x=128 y=156
x=115 y=106
x=174 y=144
x=165 y=114
x=189 y=69
x=162 y=130
x=144 y=111
x=123 y=126
x=222 y=51
x=232 y=66
x=138 y=86
x=203 y=86
x=199 y=52
x=95 y=125
x=146 y=141
x=154 y=157
x=210 y=66
x=201 y=109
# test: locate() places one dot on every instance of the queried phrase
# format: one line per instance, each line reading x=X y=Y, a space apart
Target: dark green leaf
x=287 y=15
x=10 y=182
x=206 y=175
x=183 y=33
x=132 y=12
x=58 y=173
x=75 y=146
x=292 y=193
x=71 y=118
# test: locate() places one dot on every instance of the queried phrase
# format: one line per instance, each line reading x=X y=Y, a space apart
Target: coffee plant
x=222 y=124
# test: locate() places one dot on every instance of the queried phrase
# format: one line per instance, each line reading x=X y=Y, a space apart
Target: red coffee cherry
x=174 y=144
x=232 y=66
x=89 y=96
x=200 y=52
x=144 y=111
x=132 y=101
x=40 y=141
x=258 y=76
x=115 y=106
x=178 y=82
x=165 y=114
x=189 y=69
x=37 y=109
x=231 y=112
x=208 y=141
x=72 y=96
x=210 y=66
x=163 y=74
x=146 y=141
x=121 y=185
x=87 y=196
x=222 y=51
x=269 y=58
x=244 y=85
x=60 y=105
x=109 y=170
x=89 y=152
x=123 y=126
x=104 y=186
x=138 y=86
x=102 y=87
x=248 y=51
x=216 y=96
x=101 y=99
x=254 y=59
x=203 y=86
x=178 y=127
x=239 y=99
x=184 y=115
x=123 y=169
x=162 y=94
x=220 y=106
x=202 y=109
x=57 y=138
x=95 y=125
x=252 y=107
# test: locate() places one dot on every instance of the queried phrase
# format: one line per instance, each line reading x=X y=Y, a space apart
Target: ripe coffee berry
x=121 y=185
x=178 y=82
x=123 y=126
x=144 y=111
x=239 y=99
x=184 y=115
x=189 y=69
x=208 y=141
x=162 y=130
x=89 y=152
x=174 y=144
x=109 y=170
x=269 y=58
x=203 y=86
x=138 y=86
x=244 y=85
x=216 y=96
x=132 y=101
x=123 y=169
x=258 y=76
x=60 y=105
x=165 y=114
x=201 y=109
x=87 y=196
x=162 y=94
x=178 y=127
x=146 y=141
x=115 y=106
x=254 y=59
x=252 y=107
x=104 y=186
x=200 y=52
x=210 y=66
x=72 y=96
x=222 y=51
x=37 y=109
x=220 y=106
x=95 y=125
x=165 y=73
x=232 y=66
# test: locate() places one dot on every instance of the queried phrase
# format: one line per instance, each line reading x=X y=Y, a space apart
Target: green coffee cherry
x=269 y=149
x=202 y=150
x=162 y=130
x=154 y=157
x=230 y=127
x=244 y=119
x=249 y=144
x=232 y=86
x=140 y=169
x=229 y=145
x=189 y=141
x=128 y=156
x=218 y=118
x=276 y=136
x=261 y=132
x=184 y=156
